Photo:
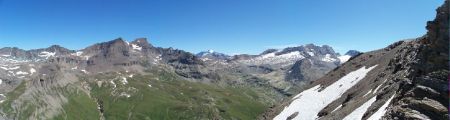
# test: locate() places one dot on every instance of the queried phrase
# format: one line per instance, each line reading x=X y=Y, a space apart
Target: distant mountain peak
x=269 y=51
x=352 y=53
x=212 y=54
x=142 y=42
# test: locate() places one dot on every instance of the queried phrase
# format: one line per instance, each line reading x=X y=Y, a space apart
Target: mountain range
x=119 y=79
x=118 y=76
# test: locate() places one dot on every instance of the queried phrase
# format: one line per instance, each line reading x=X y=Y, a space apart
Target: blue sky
x=228 y=26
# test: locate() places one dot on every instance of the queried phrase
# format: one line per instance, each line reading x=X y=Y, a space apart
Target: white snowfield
x=344 y=58
x=78 y=53
x=136 y=47
x=47 y=54
x=358 y=113
x=311 y=53
x=10 y=68
x=381 y=111
x=21 y=73
x=32 y=70
x=328 y=58
x=272 y=58
x=311 y=101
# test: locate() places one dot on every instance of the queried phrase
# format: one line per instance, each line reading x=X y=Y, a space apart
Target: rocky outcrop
x=352 y=53
x=424 y=93
x=409 y=81
x=308 y=69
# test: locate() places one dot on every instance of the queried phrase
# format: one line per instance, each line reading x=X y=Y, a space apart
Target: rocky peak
x=141 y=42
x=436 y=40
x=311 y=50
x=12 y=51
x=425 y=89
x=115 y=47
x=268 y=51
x=58 y=49
x=352 y=53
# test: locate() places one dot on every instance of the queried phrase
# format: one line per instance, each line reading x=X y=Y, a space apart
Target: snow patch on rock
x=32 y=70
x=344 y=58
x=112 y=83
x=84 y=71
x=328 y=58
x=136 y=47
x=47 y=54
x=381 y=111
x=21 y=73
x=124 y=80
x=358 y=113
x=337 y=108
x=379 y=86
x=272 y=58
x=311 y=101
x=370 y=91
x=125 y=94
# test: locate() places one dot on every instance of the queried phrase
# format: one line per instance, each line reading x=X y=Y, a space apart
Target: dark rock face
x=425 y=93
x=268 y=51
x=142 y=42
x=243 y=57
x=352 y=53
x=14 y=52
x=317 y=50
x=112 y=49
x=35 y=53
x=179 y=56
x=309 y=69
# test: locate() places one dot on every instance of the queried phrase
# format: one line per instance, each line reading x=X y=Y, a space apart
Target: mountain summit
x=211 y=54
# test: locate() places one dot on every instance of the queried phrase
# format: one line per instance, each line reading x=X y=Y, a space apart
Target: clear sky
x=228 y=26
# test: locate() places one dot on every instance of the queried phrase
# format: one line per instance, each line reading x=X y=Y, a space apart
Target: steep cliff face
x=425 y=94
x=406 y=80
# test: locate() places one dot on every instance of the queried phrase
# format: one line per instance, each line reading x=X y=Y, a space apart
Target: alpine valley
x=134 y=80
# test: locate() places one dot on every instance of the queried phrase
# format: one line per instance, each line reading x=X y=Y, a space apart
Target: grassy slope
x=171 y=98
x=6 y=105
x=78 y=107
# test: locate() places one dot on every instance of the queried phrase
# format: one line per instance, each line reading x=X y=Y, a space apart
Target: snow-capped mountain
x=288 y=56
x=211 y=54
x=289 y=68
x=55 y=67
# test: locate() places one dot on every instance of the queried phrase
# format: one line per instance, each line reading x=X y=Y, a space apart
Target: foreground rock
x=406 y=80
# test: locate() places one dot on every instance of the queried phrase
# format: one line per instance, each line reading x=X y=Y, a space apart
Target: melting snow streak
x=310 y=102
x=381 y=111
x=358 y=113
